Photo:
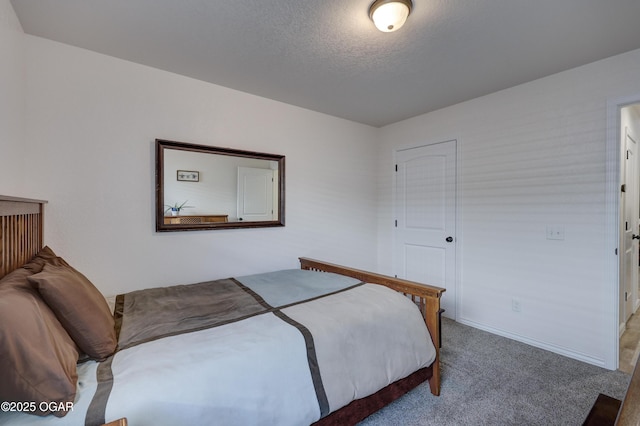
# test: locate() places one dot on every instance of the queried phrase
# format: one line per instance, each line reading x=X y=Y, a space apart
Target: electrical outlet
x=516 y=305
x=555 y=232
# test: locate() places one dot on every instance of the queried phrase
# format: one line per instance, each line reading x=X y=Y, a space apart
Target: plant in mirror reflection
x=175 y=208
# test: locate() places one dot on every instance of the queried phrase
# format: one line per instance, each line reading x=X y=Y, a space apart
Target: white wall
x=529 y=156
x=12 y=158
x=93 y=120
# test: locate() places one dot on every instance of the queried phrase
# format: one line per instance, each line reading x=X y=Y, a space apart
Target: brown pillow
x=80 y=307
x=44 y=256
x=37 y=356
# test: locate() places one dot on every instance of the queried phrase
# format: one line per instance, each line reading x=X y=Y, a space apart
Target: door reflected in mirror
x=204 y=187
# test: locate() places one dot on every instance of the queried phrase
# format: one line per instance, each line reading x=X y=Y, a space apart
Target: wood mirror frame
x=207 y=220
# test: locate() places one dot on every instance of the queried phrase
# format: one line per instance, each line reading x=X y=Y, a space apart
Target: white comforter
x=261 y=369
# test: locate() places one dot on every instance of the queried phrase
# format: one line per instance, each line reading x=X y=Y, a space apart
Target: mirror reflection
x=203 y=187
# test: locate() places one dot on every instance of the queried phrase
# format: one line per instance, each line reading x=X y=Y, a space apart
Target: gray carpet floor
x=492 y=380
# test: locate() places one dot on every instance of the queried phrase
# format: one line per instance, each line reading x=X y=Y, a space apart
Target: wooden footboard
x=426 y=296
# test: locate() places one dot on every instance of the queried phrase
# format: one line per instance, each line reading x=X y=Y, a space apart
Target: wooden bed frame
x=21 y=231
x=21 y=238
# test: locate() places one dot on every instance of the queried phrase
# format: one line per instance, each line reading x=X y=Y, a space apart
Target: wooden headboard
x=21 y=231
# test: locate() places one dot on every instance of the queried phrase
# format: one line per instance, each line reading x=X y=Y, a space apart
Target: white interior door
x=425 y=208
x=255 y=194
x=630 y=229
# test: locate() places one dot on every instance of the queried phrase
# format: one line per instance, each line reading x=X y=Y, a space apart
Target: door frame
x=631 y=299
x=457 y=219
x=612 y=250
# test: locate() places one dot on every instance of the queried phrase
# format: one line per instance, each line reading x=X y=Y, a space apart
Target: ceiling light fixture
x=390 y=15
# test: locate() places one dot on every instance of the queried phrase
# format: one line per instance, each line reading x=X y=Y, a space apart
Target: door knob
x=450 y=239
x=635 y=237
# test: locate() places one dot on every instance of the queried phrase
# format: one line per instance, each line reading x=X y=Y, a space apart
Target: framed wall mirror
x=205 y=187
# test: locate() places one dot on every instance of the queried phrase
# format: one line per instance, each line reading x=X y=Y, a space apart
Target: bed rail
x=21 y=231
x=427 y=297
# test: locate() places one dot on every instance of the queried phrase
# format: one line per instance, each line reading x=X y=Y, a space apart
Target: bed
x=325 y=344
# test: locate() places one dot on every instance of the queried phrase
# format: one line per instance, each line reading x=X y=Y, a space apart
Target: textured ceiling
x=327 y=55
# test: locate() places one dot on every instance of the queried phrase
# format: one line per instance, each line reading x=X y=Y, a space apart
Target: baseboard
x=538 y=344
x=621 y=329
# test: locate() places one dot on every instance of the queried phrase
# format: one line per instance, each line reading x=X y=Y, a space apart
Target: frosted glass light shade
x=390 y=15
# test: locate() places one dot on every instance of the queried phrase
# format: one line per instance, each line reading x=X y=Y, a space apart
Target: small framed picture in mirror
x=189 y=175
